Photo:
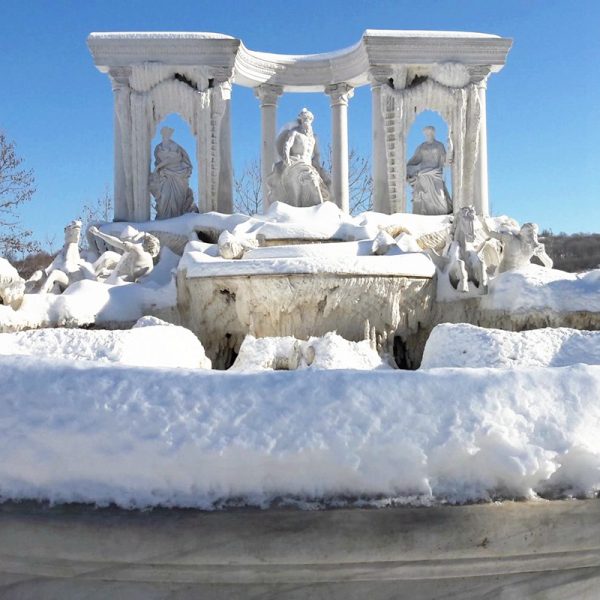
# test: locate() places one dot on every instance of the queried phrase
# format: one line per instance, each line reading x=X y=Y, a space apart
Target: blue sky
x=543 y=108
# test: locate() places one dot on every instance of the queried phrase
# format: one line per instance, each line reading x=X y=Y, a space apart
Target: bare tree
x=96 y=211
x=248 y=194
x=248 y=190
x=17 y=186
x=360 y=183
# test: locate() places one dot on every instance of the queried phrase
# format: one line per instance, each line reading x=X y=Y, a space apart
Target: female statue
x=425 y=173
x=169 y=183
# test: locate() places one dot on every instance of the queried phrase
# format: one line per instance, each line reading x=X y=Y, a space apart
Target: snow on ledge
x=196 y=263
x=84 y=432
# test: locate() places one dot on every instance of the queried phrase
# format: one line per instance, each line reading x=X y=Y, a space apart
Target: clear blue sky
x=543 y=107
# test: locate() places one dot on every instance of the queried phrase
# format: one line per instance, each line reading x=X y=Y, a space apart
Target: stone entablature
x=155 y=74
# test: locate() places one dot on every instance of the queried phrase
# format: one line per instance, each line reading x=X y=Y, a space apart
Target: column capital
x=268 y=93
x=340 y=93
x=482 y=84
x=119 y=77
x=379 y=76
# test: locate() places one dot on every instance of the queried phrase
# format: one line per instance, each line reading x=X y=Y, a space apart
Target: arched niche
x=203 y=110
x=460 y=109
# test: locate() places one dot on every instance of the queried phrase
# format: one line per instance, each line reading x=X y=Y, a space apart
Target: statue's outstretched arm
x=416 y=158
x=540 y=252
x=287 y=147
x=109 y=239
x=316 y=157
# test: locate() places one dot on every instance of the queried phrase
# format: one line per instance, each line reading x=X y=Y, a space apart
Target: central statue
x=299 y=178
x=425 y=173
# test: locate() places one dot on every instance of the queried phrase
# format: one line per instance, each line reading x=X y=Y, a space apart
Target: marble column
x=123 y=190
x=225 y=174
x=379 y=167
x=340 y=94
x=480 y=183
x=268 y=95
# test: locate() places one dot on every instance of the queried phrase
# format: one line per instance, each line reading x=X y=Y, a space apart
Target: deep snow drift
x=330 y=351
x=82 y=431
x=151 y=343
x=463 y=345
x=537 y=288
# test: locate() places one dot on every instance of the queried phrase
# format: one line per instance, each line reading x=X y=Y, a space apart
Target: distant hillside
x=576 y=252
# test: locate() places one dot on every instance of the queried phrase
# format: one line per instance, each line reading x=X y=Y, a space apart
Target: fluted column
x=480 y=183
x=123 y=189
x=340 y=93
x=224 y=200
x=268 y=95
x=379 y=167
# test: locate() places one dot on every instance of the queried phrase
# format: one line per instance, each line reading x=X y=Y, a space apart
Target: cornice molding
x=376 y=53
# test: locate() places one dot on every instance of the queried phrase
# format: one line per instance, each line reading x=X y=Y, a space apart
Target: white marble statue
x=12 y=285
x=463 y=258
x=66 y=268
x=425 y=173
x=299 y=178
x=169 y=183
x=136 y=261
x=519 y=247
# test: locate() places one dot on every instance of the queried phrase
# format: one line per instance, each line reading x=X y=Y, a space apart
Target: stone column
x=225 y=174
x=268 y=95
x=123 y=190
x=480 y=182
x=339 y=94
x=379 y=167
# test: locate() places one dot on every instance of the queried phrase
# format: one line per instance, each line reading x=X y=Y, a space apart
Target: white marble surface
x=538 y=550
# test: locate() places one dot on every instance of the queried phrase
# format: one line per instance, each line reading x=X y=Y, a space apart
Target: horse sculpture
x=463 y=259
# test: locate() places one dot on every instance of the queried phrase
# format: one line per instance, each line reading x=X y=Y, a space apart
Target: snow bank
x=82 y=431
x=537 y=288
x=151 y=343
x=463 y=345
x=330 y=351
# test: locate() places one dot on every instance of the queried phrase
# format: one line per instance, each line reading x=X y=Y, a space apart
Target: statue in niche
x=169 y=183
x=299 y=178
x=425 y=173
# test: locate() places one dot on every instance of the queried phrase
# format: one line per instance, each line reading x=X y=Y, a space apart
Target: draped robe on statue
x=169 y=183
x=425 y=172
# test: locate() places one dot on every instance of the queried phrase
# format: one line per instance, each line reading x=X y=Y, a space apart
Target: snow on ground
x=87 y=302
x=330 y=351
x=462 y=345
x=84 y=431
x=537 y=288
x=151 y=343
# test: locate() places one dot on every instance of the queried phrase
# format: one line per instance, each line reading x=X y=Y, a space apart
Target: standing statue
x=169 y=183
x=519 y=247
x=299 y=178
x=425 y=173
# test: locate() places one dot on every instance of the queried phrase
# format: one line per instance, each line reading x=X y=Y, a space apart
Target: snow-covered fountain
x=351 y=303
